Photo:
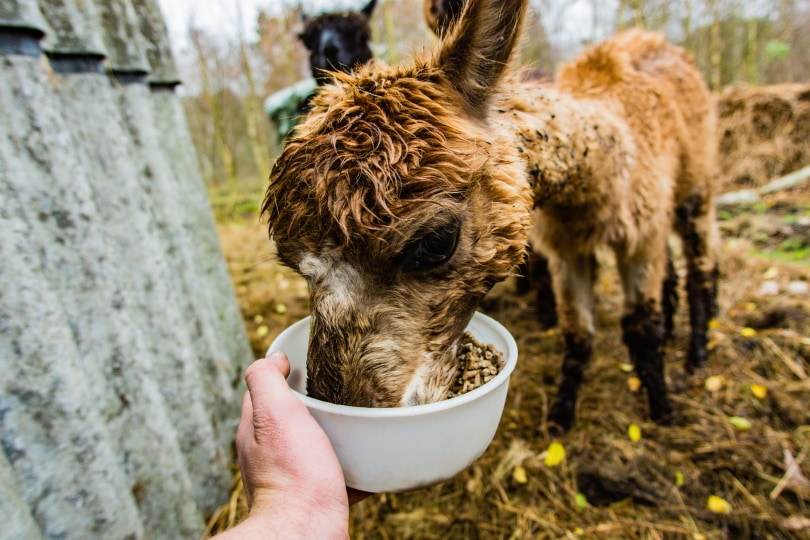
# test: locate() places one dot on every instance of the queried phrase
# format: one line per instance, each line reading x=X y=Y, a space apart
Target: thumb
x=270 y=395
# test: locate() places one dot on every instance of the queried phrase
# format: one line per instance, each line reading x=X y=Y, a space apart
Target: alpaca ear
x=477 y=52
x=367 y=11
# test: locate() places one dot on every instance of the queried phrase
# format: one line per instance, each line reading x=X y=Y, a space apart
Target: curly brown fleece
x=409 y=191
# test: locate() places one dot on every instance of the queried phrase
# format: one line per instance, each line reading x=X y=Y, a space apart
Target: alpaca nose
x=330 y=47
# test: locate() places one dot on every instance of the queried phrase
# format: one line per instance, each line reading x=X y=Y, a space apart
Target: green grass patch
x=799 y=255
x=228 y=205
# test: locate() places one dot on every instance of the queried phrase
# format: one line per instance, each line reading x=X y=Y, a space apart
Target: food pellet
x=478 y=363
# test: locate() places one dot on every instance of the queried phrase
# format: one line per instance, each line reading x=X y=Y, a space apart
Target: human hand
x=292 y=478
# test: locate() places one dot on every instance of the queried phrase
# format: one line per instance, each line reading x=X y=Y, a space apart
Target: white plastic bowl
x=404 y=448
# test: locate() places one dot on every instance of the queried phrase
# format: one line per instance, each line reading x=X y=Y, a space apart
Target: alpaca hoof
x=662 y=415
x=554 y=430
x=696 y=359
x=667 y=419
x=560 y=419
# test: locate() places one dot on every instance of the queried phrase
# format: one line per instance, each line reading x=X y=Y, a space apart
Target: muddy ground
x=734 y=465
x=743 y=423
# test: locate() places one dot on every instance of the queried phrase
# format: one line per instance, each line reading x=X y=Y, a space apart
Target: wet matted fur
x=409 y=191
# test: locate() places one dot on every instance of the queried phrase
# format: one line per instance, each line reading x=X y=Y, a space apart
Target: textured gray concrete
x=121 y=343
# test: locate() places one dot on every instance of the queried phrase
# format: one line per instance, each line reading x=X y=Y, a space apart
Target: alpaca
x=409 y=191
x=336 y=42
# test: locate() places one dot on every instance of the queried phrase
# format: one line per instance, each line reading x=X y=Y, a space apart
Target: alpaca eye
x=432 y=250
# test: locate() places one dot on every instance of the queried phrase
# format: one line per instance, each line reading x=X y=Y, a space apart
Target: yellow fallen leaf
x=581 y=500
x=770 y=273
x=748 y=332
x=634 y=432
x=750 y=306
x=714 y=324
x=743 y=424
x=281 y=309
x=262 y=331
x=759 y=391
x=715 y=383
x=679 y=478
x=258 y=318
x=519 y=475
x=634 y=383
x=718 y=505
x=627 y=368
x=555 y=454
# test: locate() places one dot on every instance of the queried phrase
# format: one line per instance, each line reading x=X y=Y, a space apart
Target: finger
x=275 y=361
x=266 y=376
x=280 y=360
x=272 y=400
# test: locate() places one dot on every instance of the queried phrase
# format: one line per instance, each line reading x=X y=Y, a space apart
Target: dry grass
x=609 y=486
x=631 y=488
x=764 y=133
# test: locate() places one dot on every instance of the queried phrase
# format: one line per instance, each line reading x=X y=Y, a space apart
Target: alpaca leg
x=643 y=329
x=573 y=282
x=523 y=283
x=535 y=276
x=698 y=229
x=545 y=304
x=669 y=297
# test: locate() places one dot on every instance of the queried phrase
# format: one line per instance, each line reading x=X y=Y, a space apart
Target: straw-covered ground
x=735 y=465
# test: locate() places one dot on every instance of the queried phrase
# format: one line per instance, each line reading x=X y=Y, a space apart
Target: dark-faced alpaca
x=409 y=191
x=337 y=41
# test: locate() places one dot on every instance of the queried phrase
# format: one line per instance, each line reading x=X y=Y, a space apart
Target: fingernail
x=275 y=355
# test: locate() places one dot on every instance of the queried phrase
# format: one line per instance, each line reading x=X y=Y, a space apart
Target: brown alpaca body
x=619 y=150
x=408 y=192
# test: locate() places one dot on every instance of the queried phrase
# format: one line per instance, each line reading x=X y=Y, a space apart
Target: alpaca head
x=440 y=14
x=402 y=204
x=337 y=41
